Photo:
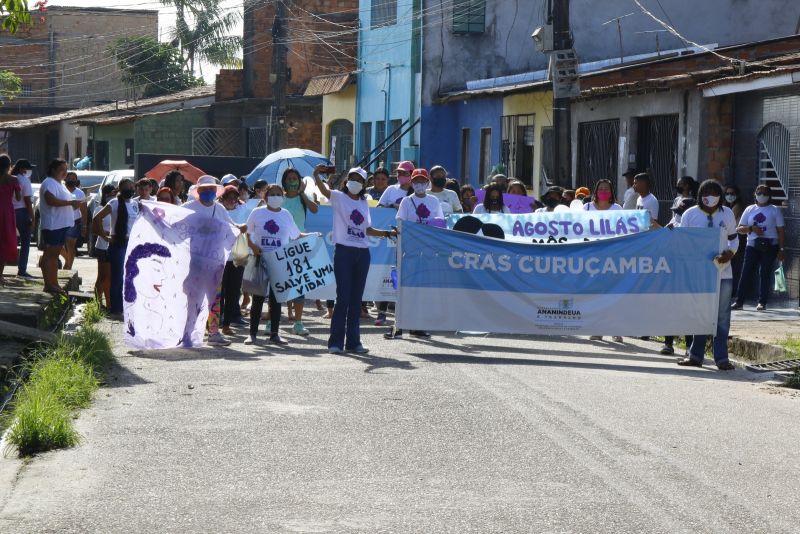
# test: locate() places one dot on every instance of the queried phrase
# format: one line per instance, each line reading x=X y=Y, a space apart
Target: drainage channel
x=787 y=366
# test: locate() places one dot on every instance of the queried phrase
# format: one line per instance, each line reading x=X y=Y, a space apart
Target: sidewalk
x=755 y=336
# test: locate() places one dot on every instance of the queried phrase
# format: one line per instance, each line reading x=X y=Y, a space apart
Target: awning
x=325 y=85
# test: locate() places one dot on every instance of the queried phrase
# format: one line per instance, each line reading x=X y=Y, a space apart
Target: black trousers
x=231 y=291
x=257 y=306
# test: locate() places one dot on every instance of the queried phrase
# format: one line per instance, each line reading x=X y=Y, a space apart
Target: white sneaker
x=218 y=340
x=251 y=340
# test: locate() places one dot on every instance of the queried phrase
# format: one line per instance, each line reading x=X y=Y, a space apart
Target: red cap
x=419 y=172
x=230 y=189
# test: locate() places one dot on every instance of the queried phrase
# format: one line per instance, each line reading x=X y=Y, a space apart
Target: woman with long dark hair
x=102 y=286
x=121 y=225
x=493 y=201
x=56 y=207
x=23 y=211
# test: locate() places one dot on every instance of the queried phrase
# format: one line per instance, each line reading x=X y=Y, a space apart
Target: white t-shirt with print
x=55 y=217
x=133 y=212
x=649 y=203
x=78 y=194
x=393 y=195
x=420 y=209
x=448 y=200
x=590 y=206
x=724 y=219
x=271 y=230
x=26 y=190
x=769 y=218
x=351 y=218
x=100 y=243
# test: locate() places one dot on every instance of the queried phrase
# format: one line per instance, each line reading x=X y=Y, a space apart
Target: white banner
x=299 y=268
x=173 y=267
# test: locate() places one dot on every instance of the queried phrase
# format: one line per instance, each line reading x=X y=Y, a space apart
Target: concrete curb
x=757 y=351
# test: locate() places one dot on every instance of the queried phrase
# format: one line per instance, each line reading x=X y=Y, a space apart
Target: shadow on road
x=119 y=376
x=377 y=362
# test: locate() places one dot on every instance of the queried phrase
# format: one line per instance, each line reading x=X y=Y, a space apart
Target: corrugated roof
x=122 y=119
x=325 y=85
x=751 y=76
x=123 y=105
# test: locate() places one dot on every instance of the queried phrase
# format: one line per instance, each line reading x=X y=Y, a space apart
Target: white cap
x=359 y=171
x=228 y=178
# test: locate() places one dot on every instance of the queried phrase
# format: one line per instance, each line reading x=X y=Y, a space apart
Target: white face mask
x=710 y=201
x=274 y=202
x=354 y=187
x=762 y=199
x=730 y=199
x=419 y=187
x=27 y=174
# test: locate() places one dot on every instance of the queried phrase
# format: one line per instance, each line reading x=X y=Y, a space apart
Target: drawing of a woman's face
x=150 y=286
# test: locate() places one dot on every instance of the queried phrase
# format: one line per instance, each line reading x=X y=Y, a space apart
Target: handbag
x=241 y=251
x=780 y=279
x=763 y=244
x=256 y=277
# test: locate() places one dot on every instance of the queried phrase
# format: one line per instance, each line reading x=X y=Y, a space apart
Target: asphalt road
x=455 y=434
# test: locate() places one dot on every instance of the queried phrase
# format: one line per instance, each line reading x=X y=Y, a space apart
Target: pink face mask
x=604 y=196
x=404 y=179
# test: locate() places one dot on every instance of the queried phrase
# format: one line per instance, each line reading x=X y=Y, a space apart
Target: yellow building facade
x=527 y=125
x=338 y=120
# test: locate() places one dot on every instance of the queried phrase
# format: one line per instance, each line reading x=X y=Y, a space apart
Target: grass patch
x=793 y=381
x=792 y=346
x=93 y=313
x=63 y=378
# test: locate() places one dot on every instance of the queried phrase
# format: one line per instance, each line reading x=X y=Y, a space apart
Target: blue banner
x=661 y=282
x=565 y=226
x=383 y=254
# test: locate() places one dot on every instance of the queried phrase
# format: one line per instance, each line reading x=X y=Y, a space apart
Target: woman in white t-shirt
x=493 y=201
x=763 y=224
x=602 y=200
x=102 y=286
x=352 y=226
x=23 y=210
x=269 y=228
x=56 y=208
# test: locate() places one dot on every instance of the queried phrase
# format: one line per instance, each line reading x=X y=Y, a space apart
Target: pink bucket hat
x=408 y=167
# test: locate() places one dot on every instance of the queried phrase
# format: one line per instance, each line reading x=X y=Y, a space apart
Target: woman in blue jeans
x=762 y=223
x=351 y=231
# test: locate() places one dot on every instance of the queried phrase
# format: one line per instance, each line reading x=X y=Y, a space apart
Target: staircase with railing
x=773 y=161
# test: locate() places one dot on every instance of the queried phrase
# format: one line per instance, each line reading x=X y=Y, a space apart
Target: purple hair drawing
x=140 y=252
x=357 y=218
x=272 y=227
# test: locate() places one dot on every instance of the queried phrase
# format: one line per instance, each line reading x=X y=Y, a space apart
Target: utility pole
x=562 y=141
x=279 y=75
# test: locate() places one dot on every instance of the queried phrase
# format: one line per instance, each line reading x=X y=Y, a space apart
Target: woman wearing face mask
x=298 y=205
x=394 y=194
x=551 y=199
x=352 y=226
x=493 y=201
x=380 y=180
x=468 y=198
x=78 y=228
x=710 y=213
x=123 y=211
x=447 y=199
x=231 y=276
x=763 y=225
x=23 y=212
x=56 y=211
x=687 y=188
x=269 y=228
x=733 y=200
x=602 y=197
x=260 y=190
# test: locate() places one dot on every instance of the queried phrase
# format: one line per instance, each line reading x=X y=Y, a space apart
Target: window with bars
x=383 y=13
x=469 y=16
x=517 y=146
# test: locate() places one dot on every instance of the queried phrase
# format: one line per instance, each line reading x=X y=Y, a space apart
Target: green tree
x=13 y=13
x=154 y=67
x=201 y=33
x=10 y=86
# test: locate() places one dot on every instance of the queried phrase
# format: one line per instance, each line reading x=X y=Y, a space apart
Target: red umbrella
x=189 y=171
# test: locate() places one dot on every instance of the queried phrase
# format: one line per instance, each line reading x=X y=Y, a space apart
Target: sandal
x=55 y=291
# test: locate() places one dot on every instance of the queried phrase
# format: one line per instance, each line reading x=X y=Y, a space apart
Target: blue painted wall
x=442 y=127
x=385 y=65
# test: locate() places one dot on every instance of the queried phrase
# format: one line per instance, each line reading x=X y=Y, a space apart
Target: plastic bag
x=241 y=251
x=780 y=279
x=256 y=277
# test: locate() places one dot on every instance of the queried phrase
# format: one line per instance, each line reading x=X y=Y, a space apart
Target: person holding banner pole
x=298 y=204
x=421 y=208
x=712 y=214
x=352 y=225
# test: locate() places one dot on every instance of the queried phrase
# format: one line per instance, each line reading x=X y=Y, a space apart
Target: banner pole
x=398 y=261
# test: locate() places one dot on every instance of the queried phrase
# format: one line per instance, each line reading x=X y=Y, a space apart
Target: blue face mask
x=207 y=197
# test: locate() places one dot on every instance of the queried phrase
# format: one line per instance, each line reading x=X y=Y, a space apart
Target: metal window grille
x=217 y=141
x=517 y=146
x=257 y=142
x=342 y=130
x=469 y=16
x=383 y=13
x=657 y=154
x=598 y=143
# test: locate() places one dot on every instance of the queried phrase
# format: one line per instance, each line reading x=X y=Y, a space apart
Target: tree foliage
x=201 y=33
x=13 y=13
x=155 y=68
x=10 y=86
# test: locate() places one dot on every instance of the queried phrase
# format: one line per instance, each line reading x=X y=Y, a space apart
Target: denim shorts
x=55 y=238
x=74 y=231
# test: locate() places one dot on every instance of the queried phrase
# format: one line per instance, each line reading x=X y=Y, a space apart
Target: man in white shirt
x=447 y=198
x=646 y=201
x=630 y=198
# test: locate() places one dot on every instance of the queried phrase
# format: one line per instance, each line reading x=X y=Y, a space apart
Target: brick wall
x=718 y=124
x=169 y=133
